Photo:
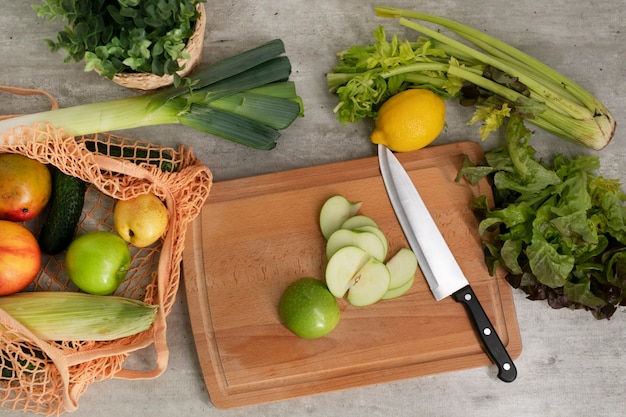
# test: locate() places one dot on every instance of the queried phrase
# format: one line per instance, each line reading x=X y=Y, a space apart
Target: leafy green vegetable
x=123 y=35
x=496 y=78
x=561 y=228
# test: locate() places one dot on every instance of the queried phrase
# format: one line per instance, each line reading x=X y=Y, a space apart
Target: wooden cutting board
x=257 y=235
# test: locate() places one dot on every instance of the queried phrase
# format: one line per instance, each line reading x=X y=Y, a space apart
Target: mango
x=25 y=187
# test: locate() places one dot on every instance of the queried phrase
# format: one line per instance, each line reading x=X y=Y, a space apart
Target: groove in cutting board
x=257 y=235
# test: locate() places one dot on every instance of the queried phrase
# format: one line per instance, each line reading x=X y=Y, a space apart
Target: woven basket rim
x=144 y=81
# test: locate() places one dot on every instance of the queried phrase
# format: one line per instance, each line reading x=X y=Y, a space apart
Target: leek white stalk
x=230 y=92
x=60 y=316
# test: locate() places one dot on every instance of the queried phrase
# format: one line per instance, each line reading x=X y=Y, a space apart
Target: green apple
x=366 y=240
x=336 y=210
x=352 y=271
x=356 y=249
x=308 y=309
x=97 y=262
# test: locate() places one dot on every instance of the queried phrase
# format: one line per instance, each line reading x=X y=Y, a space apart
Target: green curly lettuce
x=560 y=228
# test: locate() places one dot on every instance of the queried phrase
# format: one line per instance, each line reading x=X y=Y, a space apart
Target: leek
x=498 y=78
x=246 y=98
x=78 y=316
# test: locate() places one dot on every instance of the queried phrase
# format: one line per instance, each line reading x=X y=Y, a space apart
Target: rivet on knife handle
x=490 y=339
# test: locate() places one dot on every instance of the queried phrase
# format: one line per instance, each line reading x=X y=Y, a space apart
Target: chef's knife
x=435 y=259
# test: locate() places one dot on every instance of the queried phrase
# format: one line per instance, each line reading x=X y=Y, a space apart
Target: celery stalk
x=559 y=93
x=543 y=91
x=483 y=71
x=482 y=39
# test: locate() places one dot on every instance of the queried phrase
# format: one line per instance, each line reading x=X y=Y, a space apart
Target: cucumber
x=66 y=206
x=158 y=157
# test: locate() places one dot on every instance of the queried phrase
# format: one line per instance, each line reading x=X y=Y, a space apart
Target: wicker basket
x=48 y=377
x=145 y=81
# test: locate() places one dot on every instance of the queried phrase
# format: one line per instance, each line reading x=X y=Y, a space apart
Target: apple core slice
x=370 y=284
x=342 y=267
x=367 y=241
x=402 y=267
x=336 y=210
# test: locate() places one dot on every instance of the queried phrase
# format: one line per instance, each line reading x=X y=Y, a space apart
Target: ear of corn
x=78 y=316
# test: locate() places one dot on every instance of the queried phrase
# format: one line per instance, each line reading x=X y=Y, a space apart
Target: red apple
x=25 y=187
x=20 y=257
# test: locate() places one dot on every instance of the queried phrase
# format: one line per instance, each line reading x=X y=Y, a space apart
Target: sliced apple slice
x=368 y=241
x=397 y=292
x=357 y=221
x=336 y=210
x=378 y=233
x=370 y=284
x=352 y=271
x=402 y=267
x=342 y=267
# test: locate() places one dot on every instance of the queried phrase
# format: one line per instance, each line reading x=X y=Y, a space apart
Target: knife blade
x=436 y=260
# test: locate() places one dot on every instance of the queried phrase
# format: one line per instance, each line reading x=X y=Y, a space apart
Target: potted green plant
x=141 y=44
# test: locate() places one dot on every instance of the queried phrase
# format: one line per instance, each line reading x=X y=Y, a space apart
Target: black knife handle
x=490 y=339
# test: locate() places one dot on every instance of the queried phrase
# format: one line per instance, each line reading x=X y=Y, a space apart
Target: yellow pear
x=140 y=220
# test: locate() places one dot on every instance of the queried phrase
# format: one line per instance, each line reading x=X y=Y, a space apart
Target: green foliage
x=366 y=76
x=561 y=228
x=123 y=35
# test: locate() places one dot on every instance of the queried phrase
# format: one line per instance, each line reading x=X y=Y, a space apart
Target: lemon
x=409 y=120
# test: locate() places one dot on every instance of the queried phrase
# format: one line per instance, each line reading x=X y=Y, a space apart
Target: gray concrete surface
x=570 y=365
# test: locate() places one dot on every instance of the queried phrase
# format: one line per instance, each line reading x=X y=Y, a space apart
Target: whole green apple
x=308 y=309
x=97 y=262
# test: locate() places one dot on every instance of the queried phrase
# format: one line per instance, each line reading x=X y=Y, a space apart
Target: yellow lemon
x=409 y=120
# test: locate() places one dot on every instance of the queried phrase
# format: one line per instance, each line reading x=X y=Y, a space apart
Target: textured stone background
x=570 y=365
